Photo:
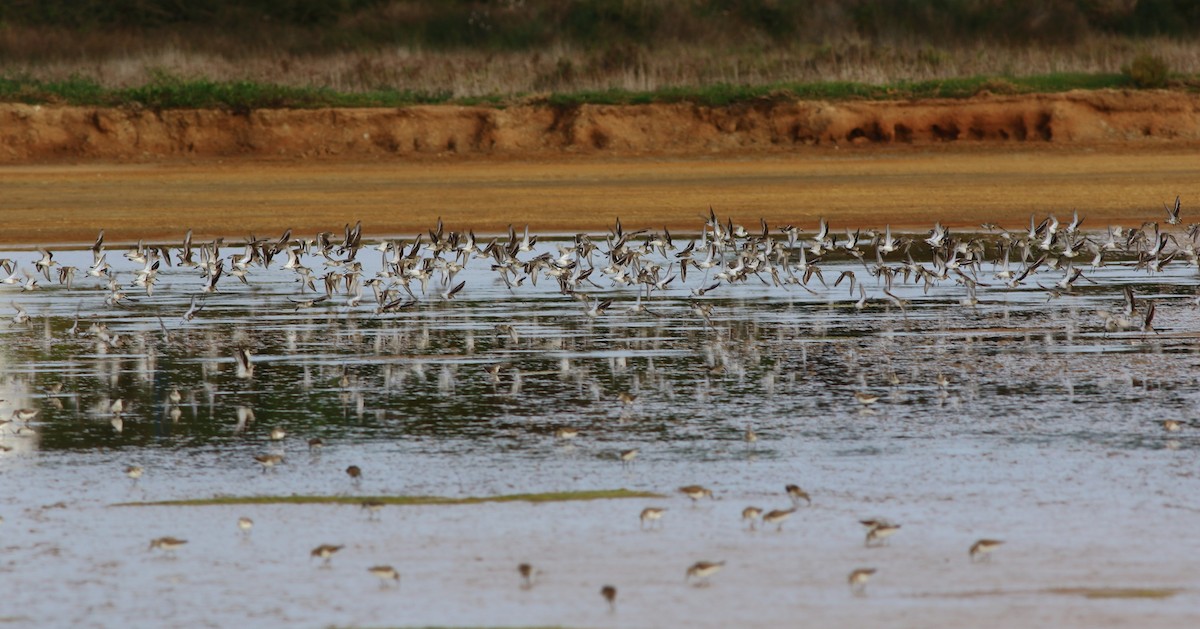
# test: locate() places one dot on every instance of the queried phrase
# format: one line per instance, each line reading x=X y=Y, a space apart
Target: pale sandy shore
x=909 y=188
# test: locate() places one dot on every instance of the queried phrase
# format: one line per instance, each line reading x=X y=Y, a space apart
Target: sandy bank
x=52 y=133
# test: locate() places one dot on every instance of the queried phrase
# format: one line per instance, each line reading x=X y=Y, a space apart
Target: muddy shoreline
x=907 y=188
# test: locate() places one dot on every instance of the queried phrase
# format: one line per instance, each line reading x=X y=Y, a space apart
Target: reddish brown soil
x=1114 y=156
x=42 y=133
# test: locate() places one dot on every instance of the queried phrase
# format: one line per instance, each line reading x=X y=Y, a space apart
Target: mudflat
x=908 y=187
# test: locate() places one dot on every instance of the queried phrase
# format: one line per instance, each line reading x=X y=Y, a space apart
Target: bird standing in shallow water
x=858 y=580
x=609 y=593
x=167 y=544
x=696 y=492
x=796 y=494
x=752 y=514
x=268 y=461
x=134 y=472
x=325 y=552
x=651 y=515
x=878 y=531
x=982 y=549
x=385 y=574
x=702 y=570
x=526 y=572
x=372 y=507
x=777 y=517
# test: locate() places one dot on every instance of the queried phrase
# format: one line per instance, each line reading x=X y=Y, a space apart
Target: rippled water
x=1020 y=417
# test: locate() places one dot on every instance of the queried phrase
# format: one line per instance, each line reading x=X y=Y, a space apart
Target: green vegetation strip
x=560 y=496
x=170 y=92
x=1152 y=593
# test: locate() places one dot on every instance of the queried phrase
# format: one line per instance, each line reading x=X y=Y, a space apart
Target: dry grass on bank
x=565 y=68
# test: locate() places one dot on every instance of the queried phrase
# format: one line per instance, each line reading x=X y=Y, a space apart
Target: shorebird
x=193 y=310
x=355 y=474
x=245 y=525
x=245 y=368
x=879 y=531
x=315 y=444
x=1172 y=213
x=628 y=455
x=609 y=593
x=134 y=472
x=387 y=576
x=752 y=514
x=696 y=492
x=866 y=399
x=982 y=549
x=277 y=434
x=858 y=580
x=268 y=461
x=372 y=507
x=24 y=415
x=1171 y=425
x=777 y=517
x=167 y=544
x=565 y=432
x=702 y=570
x=526 y=572
x=796 y=494
x=325 y=552
x=651 y=515
x=22 y=316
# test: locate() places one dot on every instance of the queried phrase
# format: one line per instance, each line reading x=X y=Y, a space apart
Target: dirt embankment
x=47 y=133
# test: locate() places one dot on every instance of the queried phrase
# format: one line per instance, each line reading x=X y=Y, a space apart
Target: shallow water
x=1044 y=431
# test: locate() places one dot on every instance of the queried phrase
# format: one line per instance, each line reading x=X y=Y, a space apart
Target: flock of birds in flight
x=723 y=254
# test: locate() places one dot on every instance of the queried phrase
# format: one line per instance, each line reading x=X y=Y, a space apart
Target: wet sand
x=909 y=188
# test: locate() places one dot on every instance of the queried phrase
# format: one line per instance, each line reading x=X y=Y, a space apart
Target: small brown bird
x=696 y=492
x=628 y=455
x=777 y=517
x=316 y=443
x=167 y=544
x=858 y=580
x=982 y=549
x=134 y=472
x=609 y=593
x=702 y=570
x=372 y=507
x=526 y=572
x=796 y=494
x=245 y=525
x=752 y=514
x=355 y=474
x=566 y=433
x=877 y=535
x=385 y=574
x=866 y=399
x=268 y=461
x=651 y=515
x=325 y=552
x=1171 y=425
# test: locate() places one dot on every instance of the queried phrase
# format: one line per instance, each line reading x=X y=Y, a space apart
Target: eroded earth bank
x=41 y=133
